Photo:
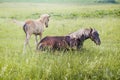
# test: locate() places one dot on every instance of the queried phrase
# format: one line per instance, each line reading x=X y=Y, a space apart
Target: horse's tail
x=25 y=27
x=39 y=46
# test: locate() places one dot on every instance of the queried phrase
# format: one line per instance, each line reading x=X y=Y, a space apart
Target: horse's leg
x=79 y=46
x=26 y=42
x=40 y=36
x=36 y=41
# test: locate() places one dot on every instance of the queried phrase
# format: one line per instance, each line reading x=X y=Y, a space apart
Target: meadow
x=92 y=62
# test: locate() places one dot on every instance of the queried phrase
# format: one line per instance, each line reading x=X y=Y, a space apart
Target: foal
x=85 y=34
x=35 y=27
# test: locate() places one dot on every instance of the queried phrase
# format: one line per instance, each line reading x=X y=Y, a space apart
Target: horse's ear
x=91 y=30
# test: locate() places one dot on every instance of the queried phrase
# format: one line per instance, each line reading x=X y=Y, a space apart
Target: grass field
x=90 y=63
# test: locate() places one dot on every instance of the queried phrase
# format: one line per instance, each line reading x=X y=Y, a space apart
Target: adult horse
x=35 y=27
x=84 y=34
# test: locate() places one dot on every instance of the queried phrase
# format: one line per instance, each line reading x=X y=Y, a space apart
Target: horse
x=84 y=34
x=35 y=27
x=57 y=43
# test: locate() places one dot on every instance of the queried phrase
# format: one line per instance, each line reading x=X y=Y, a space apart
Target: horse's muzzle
x=46 y=26
x=98 y=43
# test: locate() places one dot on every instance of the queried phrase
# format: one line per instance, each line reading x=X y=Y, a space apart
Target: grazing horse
x=84 y=34
x=35 y=27
x=57 y=42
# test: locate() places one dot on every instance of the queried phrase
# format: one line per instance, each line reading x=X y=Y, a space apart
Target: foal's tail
x=25 y=27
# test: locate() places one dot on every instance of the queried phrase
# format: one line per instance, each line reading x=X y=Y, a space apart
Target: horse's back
x=75 y=34
x=52 y=38
x=79 y=33
x=34 y=27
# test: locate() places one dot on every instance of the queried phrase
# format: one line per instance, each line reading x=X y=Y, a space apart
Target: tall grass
x=91 y=62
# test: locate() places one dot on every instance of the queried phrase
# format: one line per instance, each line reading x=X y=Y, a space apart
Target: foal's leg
x=36 y=41
x=40 y=36
x=26 y=41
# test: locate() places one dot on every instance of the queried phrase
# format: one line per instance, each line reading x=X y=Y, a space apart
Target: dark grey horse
x=84 y=34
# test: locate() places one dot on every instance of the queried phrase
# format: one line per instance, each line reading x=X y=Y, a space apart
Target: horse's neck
x=86 y=35
x=41 y=21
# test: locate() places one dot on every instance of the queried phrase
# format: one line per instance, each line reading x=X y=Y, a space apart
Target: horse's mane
x=80 y=32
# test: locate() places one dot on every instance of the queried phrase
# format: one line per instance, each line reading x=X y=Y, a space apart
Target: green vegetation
x=91 y=62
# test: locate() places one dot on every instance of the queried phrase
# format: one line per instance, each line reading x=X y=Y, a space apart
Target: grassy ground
x=92 y=62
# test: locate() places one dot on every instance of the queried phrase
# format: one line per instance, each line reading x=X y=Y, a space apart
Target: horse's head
x=94 y=36
x=45 y=19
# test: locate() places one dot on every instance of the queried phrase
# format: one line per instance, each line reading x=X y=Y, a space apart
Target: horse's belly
x=38 y=30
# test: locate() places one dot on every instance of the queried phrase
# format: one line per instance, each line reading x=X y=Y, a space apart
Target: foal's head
x=94 y=36
x=45 y=19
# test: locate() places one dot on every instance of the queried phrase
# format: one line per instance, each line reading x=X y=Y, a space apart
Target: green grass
x=91 y=62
